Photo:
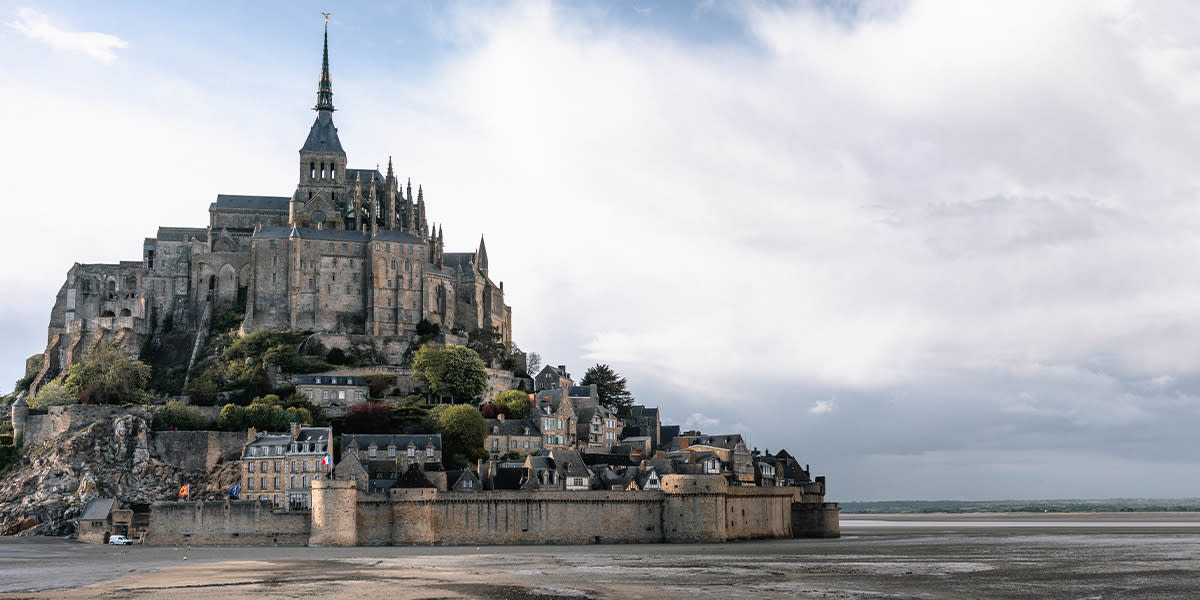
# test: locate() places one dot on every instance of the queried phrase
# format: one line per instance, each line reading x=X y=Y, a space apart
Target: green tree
x=453 y=370
x=107 y=375
x=463 y=432
x=485 y=341
x=179 y=416
x=409 y=416
x=232 y=418
x=514 y=402
x=610 y=387
x=53 y=394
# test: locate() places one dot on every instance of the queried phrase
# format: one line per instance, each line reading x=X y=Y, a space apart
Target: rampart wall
x=228 y=522
x=690 y=508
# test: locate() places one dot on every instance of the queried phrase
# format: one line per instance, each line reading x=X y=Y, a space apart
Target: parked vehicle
x=119 y=540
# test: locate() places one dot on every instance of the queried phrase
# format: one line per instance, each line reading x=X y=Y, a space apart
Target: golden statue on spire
x=326 y=18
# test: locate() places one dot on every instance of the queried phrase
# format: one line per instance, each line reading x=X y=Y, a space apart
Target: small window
x=429 y=451
x=412 y=451
x=273 y=243
x=345 y=247
x=250 y=467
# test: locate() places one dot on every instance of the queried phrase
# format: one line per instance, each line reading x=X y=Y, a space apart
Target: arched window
x=322 y=170
x=112 y=286
x=312 y=173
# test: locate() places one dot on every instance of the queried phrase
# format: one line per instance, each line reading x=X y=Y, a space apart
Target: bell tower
x=320 y=195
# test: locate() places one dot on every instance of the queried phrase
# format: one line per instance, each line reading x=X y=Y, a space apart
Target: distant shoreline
x=1116 y=505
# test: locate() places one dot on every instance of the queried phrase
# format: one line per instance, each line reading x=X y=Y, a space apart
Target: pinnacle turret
x=325 y=87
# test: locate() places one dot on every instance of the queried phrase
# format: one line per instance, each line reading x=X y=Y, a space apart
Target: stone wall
x=543 y=517
x=197 y=451
x=229 y=522
x=498 y=380
x=63 y=419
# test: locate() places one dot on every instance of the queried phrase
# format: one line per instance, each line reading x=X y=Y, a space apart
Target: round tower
x=20 y=410
x=334 y=513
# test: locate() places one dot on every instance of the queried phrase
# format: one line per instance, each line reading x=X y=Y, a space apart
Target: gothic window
x=393 y=264
x=322 y=170
x=274 y=260
x=312 y=174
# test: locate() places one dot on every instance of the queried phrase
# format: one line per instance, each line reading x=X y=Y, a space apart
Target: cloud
x=971 y=223
x=36 y=26
x=821 y=407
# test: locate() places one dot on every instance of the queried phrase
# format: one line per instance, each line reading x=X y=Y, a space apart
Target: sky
x=937 y=249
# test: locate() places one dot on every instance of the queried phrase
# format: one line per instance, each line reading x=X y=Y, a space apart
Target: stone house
x=571 y=417
x=335 y=394
x=512 y=435
x=644 y=421
x=385 y=458
x=597 y=427
x=551 y=377
x=279 y=467
x=560 y=469
x=730 y=448
x=102 y=519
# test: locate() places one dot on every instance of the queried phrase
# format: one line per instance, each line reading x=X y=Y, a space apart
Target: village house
x=519 y=436
x=385 y=458
x=335 y=394
x=279 y=467
x=552 y=377
x=102 y=519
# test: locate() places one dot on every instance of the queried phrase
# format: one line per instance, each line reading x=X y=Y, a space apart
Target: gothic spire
x=325 y=88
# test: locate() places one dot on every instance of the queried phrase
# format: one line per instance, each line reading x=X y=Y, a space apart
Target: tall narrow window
x=322 y=170
x=312 y=174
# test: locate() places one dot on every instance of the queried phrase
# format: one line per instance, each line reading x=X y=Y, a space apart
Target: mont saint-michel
x=315 y=368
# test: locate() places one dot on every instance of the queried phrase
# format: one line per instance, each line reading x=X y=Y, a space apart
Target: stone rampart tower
x=334 y=513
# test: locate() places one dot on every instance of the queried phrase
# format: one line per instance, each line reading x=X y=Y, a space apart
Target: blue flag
x=235 y=490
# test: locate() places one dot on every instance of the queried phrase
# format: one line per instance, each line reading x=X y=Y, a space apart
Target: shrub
x=177 y=415
x=380 y=384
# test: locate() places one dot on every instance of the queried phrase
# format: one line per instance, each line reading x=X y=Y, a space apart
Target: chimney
x=251 y=435
x=500 y=416
x=295 y=430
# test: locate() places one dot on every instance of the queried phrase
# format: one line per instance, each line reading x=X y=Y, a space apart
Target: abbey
x=349 y=254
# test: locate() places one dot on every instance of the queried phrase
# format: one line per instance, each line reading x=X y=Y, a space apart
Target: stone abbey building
x=349 y=254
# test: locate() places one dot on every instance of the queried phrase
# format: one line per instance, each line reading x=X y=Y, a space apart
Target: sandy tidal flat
x=1093 y=557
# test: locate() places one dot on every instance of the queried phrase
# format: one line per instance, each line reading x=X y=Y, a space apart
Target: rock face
x=111 y=458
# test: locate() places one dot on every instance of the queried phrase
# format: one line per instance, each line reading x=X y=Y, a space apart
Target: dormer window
x=391 y=451
x=429 y=451
x=371 y=451
x=412 y=451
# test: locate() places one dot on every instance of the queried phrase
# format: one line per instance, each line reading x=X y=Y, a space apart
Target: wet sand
x=1094 y=557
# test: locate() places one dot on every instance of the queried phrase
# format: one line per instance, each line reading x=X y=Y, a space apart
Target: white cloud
x=821 y=407
x=36 y=26
x=701 y=422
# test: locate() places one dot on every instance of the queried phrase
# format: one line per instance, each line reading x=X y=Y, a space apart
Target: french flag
x=328 y=460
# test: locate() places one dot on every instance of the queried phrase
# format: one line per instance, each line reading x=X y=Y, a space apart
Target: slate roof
x=322 y=137
x=727 y=441
x=235 y=202
x=513 y=427
x=398 y=236
x=570 y=463
x=98 y=509
x=506 y=478
x=364 y=175
x=400 y=439
x=315 y=434
x=330 y=380
x=181 y=234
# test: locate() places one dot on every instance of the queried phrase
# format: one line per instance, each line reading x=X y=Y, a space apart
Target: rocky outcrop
x=113 y=457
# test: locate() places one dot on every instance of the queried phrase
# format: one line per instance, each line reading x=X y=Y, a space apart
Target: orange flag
x=183 y=491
